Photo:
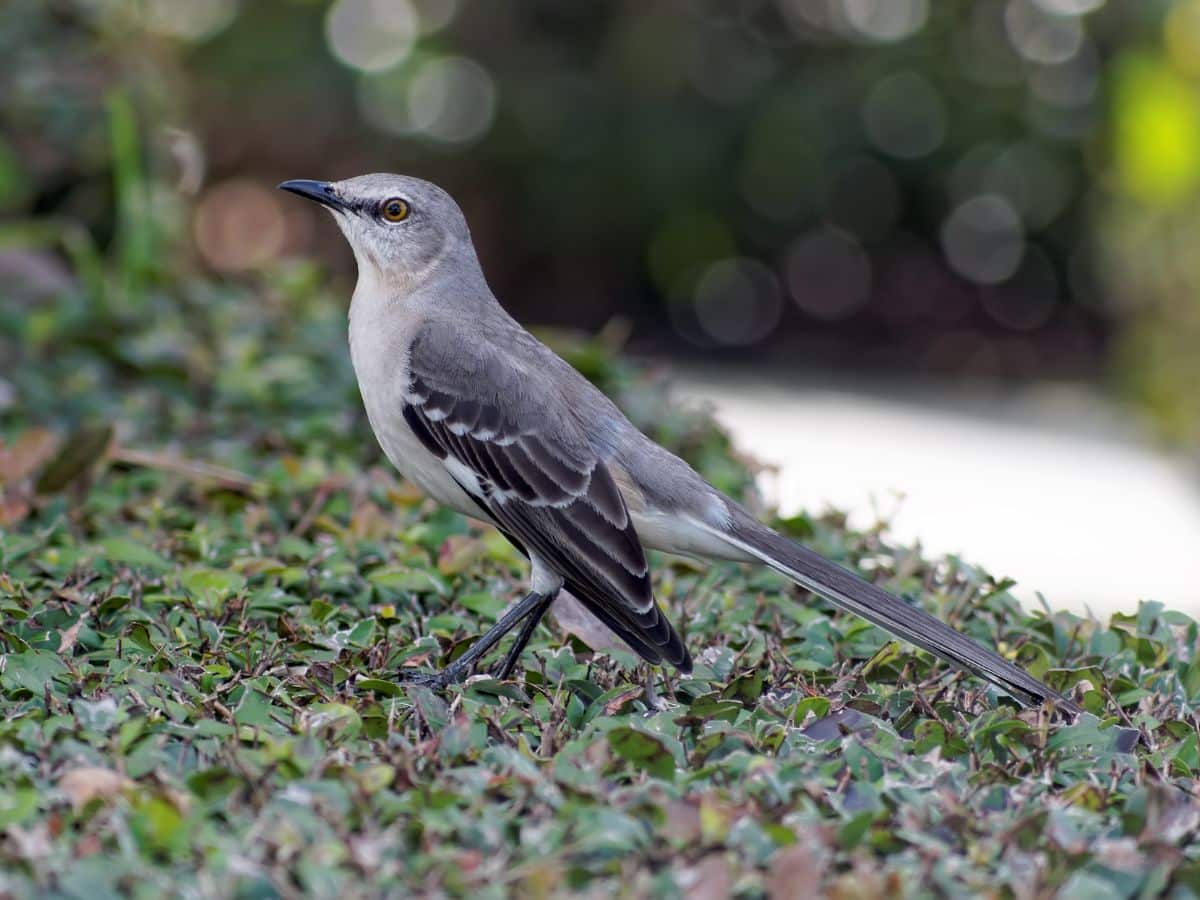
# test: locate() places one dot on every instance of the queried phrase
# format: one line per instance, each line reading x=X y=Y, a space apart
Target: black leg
x=504 y=670
x=530 y=603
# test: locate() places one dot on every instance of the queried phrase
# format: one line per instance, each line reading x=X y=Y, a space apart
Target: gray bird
x=487 y=420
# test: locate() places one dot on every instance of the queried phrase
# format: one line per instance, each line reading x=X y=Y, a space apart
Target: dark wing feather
x=537 y=477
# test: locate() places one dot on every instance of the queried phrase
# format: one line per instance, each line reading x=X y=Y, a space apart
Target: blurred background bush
x=997 y=188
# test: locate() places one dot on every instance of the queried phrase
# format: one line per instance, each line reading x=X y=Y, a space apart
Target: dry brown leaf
x=32 y=843
x=70 y=636
x=795 y=872
x=1122 y=854
x=542 y=880
x=867 y=881
x=368 y=521
x=405 y=493
x=683 y=821
x=196 y=470
x=710 y=879
x=417 y=661
x=460 y=552
x=617 y=701
x=13 y=509
x=86 y=783
x=27 y=453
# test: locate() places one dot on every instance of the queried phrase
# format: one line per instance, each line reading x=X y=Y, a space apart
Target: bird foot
x=500 y=672
x=652 y=698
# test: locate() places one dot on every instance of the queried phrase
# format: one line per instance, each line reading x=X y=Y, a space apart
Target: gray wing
x=506 y=436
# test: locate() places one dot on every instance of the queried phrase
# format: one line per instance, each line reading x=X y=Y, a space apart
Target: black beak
x=320 y=191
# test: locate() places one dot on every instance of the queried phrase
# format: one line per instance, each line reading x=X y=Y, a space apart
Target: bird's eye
x=393 y=210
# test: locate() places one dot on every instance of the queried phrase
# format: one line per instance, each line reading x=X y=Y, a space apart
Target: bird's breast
x=379 y=350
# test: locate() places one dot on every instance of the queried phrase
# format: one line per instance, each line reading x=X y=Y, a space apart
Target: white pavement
x=1048 y=485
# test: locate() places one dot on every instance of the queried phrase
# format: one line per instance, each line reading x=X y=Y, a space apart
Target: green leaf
x=338 y=720
x=486 y=606
x=363 y=633
x=487 y=688
x=212 y=587
x=416 y=581
x=17 y=806
x=134 y=554
x=645 y=751
x=817 y=706
x=255 y=710
x=712 y=706
x=433 y=709
x=32 y=670
x=746 y=687
x=158 y=826
x=320 y=610
x=139 y=635
x=852 y=832
x=386 y=688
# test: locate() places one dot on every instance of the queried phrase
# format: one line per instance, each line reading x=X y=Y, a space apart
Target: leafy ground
x=208 y=584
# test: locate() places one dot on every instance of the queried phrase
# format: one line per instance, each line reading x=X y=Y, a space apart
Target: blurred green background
x=962 y=188
x=202 y=553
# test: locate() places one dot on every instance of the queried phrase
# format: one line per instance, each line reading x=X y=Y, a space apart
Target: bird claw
x=652 y=698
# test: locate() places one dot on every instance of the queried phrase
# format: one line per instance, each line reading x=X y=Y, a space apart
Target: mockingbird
x=489 y=421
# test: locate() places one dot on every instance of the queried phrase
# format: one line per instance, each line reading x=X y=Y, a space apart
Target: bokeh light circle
x=1071 y=84
x=371 y=35
x=383 y=101
x=194 y=20
x=828 y=274
x=1040 y=37
x=737 y=301
x=434 y=15
x=904 y=116
x=1037 y=184
x=886 y=20
x=239 y=225
x=451 y=99
x=983 y=239
x=1069 y=7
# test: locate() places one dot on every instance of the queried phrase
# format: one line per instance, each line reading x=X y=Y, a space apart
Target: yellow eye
x=393 y=210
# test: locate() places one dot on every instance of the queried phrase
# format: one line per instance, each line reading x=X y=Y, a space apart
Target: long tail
x=844 y=589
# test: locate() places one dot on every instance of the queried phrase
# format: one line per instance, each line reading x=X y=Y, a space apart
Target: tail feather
x=846 y=590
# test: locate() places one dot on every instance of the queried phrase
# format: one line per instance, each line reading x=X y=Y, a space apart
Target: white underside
x=669 y=532
x=382 y=375
x=685 y=535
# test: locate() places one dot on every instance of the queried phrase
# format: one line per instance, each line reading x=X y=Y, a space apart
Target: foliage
x=199 y=688
x=210 y=581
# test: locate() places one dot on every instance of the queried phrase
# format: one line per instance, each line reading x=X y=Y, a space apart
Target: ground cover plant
x=209 y=580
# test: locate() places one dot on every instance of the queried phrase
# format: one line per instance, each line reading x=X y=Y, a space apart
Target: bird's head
x=400 y=227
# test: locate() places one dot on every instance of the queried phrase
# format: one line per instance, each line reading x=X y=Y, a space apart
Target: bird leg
x=504 y=670
x=531 y=604
x=655 y=702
